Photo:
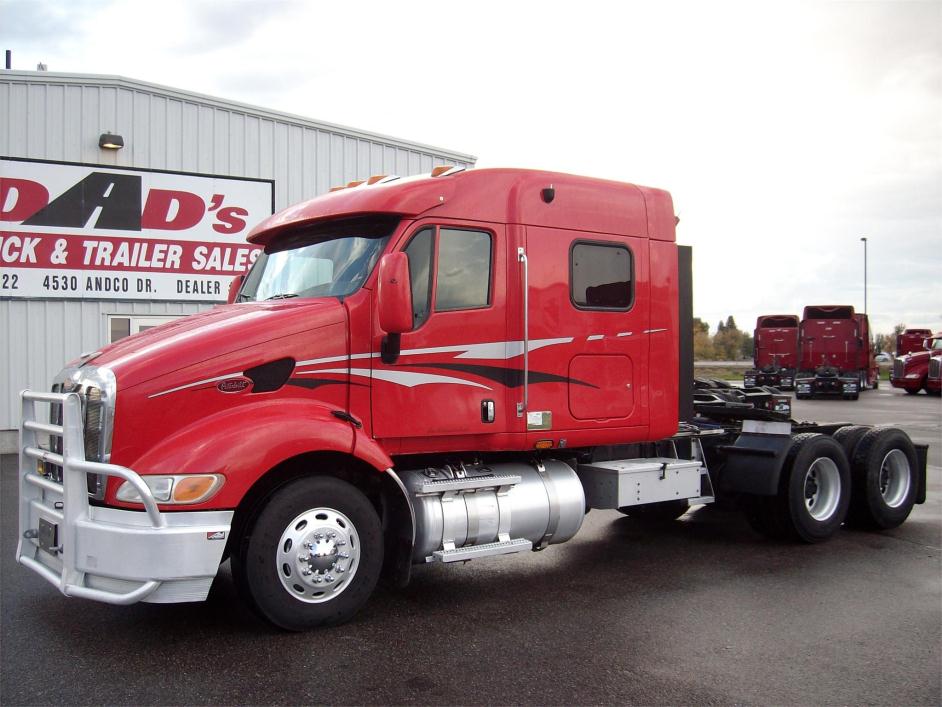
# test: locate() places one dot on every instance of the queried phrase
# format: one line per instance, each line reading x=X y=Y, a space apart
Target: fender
x=244 y=442
x=754 y=463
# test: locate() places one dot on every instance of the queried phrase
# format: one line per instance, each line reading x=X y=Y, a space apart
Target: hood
x=207 y=335
x=914 y=356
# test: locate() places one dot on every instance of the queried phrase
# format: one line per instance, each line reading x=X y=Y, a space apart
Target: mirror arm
x=389 y=349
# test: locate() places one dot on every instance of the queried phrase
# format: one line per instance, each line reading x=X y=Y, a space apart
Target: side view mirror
x=394 y=294
x=234 y=288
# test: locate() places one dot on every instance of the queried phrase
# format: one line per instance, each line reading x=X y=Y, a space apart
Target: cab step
x=468 y=483
x=473 y=552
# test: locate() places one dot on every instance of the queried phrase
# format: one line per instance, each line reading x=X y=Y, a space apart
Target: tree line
x=731 y=344
x=727 y=344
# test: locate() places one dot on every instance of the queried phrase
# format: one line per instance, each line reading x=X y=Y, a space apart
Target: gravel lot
x=701 y=610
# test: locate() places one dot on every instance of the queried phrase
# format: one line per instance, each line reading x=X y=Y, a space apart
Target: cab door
x=449 y=379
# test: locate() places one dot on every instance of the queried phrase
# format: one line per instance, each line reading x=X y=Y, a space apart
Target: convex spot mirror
x=394 y=293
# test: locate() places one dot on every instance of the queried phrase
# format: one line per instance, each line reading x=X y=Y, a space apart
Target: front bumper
x=106 y=554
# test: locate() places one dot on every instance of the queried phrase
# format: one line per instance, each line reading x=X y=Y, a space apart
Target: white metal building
x=54 y=125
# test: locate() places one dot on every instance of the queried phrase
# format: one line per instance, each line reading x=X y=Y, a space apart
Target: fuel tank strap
x=553 y=497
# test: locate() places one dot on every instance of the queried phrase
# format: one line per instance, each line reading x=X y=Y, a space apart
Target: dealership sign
x=94 y=232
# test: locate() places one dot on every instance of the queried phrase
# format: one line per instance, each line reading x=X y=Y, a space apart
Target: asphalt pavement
x=697 y=611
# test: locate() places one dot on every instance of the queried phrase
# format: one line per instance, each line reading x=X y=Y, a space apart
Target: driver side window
x=462 y=270
x=419 y=252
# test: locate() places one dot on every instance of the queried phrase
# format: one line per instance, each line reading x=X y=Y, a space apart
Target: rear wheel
x=849 y=436
x=883 y=469
x=655 y=512
x=313 y=554
x=813 y=495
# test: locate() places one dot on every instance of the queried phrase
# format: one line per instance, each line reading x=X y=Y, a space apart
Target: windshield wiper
x=287 y=295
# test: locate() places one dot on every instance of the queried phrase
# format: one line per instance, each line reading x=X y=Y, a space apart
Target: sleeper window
x=601 y=276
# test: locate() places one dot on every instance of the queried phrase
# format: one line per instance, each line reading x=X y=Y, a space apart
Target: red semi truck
x=775 y=355
x=836 y=353
x=919 y=370
x=418 y=370
x=912 y=340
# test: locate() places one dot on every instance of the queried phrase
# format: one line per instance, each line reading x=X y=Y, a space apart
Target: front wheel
x=313 y=555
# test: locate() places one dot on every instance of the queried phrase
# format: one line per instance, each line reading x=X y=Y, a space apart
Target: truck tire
x=911 y=391
x=312 y=555
x=848 y=437
x=883 y=473
x=813 y=495
x=656 y=512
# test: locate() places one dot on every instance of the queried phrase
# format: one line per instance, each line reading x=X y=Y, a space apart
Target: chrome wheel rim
x=318 y=555
x=822 y=488
x=894 y=478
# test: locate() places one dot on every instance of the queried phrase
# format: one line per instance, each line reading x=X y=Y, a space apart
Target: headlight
x=183 y=489
x=912 y=375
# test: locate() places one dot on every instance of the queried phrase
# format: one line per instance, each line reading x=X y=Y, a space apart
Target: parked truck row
x=422 y=370
x=828 y=351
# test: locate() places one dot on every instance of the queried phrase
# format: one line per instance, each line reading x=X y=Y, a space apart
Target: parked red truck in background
x=912 y=340
x=836 y=353
x=417 y=370
x=919 y=370
x=775 y=355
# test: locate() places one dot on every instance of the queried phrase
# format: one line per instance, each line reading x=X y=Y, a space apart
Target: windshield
x=325 y=260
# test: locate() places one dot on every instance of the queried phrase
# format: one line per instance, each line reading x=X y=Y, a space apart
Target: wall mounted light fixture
x=107 y=141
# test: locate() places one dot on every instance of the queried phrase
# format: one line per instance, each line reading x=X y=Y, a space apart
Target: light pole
x=864 y=239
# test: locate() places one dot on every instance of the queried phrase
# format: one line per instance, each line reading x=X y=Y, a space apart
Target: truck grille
x=92 y=405
x=935 y=364
x=898 y=365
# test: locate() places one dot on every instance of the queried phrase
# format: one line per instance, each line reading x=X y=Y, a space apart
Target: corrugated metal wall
x=55 y=116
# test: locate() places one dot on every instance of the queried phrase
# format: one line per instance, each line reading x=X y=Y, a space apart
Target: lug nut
x=329 y=578
x=304 y=558
x=309 y=546
x=340 y=570
x=340 y=542
x=306 y=573
x=343 y=555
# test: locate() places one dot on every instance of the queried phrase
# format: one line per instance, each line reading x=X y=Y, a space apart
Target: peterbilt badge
x=233 y=385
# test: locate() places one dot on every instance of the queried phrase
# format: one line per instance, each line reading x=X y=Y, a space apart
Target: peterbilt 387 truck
x=836 y=353
x=775 y=353
x=919 y=369
x=418 y=370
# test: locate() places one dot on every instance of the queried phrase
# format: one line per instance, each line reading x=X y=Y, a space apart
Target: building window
x=601 y=276
x=121 y=326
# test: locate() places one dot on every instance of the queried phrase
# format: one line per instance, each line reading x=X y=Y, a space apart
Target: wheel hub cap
x=822 y=488
x=318 y=555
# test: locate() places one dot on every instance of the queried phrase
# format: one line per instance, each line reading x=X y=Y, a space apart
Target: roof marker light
x=355 y=183
x=446 y=170
x=376 y=178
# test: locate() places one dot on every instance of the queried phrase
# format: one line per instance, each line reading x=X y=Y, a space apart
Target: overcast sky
x=785 y=131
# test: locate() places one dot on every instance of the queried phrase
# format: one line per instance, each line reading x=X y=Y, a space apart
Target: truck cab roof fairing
x=828 y=311
x=496 y=196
